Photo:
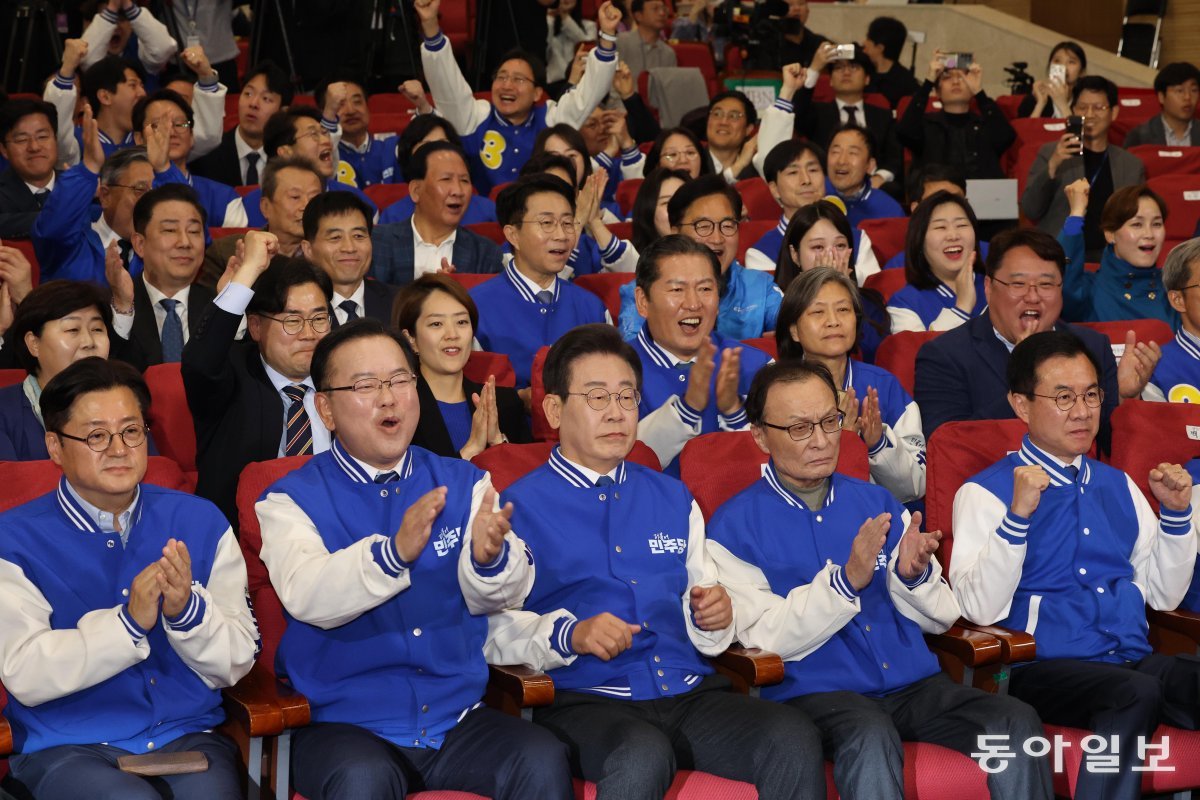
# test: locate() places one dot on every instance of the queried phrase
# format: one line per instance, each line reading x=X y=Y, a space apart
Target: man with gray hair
x=1176 y=379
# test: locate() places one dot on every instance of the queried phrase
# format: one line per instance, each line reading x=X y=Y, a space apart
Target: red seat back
x=898 y=355
x=481 y=364
x=887 y=282
x=384 y=194
x=1146 y=330
x=765 y=343
x=392 y=103
x=388 y=123
x=1010 y=103
x=539 y=425
x=1146 y=434
x=170 y=417
x=489 y=230
x=750 y=232
x=26 y=248
x=1160 y=160
x=757 y=199
x=221 y=233
x=242 y=191
x=28 y=480
x=1137 y=105
x=626 y=193
x=621 y=230
x=1032 y=133
x=606 y=286
x=255 y=479
x=716 y=466
x=887 y=236
x=8 y=377
x=700 y=56
x=508 y=463
x=498 y=188
x=469 y=280
x=1182 y=195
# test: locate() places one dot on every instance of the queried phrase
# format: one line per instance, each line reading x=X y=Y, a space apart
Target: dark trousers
x=488 y=753
x=632 y=748
x=73 y=771
x=862 y=735
x=1125 y=700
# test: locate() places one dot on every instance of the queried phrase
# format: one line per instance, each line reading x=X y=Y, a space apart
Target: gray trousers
x=862 y=735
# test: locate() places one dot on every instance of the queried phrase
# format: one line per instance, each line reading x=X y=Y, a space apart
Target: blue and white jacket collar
x=1033 y=456
x=580 y=476
x=775 y=482
x=659 y=355
x=1188 y=343
x=87 y=517
x=358 y=472
x=783 y=223
x=501 y=121
x=848 y=380
x=524 y=286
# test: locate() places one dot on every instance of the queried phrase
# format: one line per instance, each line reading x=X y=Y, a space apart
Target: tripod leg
x=11 y=52
x=287 y=45
x=25 y=54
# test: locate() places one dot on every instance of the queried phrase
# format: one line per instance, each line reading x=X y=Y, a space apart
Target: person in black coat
x=459 y=417
x=337 y=238
x=28 y=143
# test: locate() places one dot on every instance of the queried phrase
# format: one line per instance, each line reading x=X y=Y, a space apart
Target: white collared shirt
x=49 y=187
x=1177 y=141
x=242 y=149
x=590 y=474
x=860 y=115
x=107 y=235
x=359 y=299
x=427 y=256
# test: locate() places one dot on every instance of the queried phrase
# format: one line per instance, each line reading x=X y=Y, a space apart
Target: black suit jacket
x=818 y=122
x=18 y=210
x=394 y=256
x=237 y=412
x=932 y=137
x=433 y=435
x=377 y=297
x=144 y=346
x=962 y=375
x=222 y=164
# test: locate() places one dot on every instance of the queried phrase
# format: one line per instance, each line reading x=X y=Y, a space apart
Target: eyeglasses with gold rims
x=1021 y=288
x=799 y=431
x=1066 y=399
x=100 y=439
x=366 y=387
x=293 y=324
x=599 y=399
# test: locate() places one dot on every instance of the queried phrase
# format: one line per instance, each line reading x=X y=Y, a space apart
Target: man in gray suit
x=1178 y=89
x=439 y=183
x=1105 y=166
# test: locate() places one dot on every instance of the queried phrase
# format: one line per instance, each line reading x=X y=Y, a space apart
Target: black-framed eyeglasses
x=1189 y=286
x=293 y=324
x=366 y=387
x=599 y=399
x=316 y=134
x=799 y=431
x=1020 y=288
x=1066 y=399
x=705 y=227
x=99 y=439
x=179 y=125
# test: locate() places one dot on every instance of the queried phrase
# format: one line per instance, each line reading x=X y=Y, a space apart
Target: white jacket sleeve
x=898 y=464
x=930 y=603
x=865 y=262
x=668 y=428
x=216 y=634
x=208 y=108
x=904 y=319
x=98 y=34
x=452 y=94
x=319 y=587
x=576 y=105
x=702 y=571
x=503 y=584
x=1164 y=555
x=774 y=127
x=61 y=94
x=156 y=45
x=39 y=664
x=987 y=566
x=524 y=637
x=757 y=259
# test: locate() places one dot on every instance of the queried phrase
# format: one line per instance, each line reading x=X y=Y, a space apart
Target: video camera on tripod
x=1019 y=81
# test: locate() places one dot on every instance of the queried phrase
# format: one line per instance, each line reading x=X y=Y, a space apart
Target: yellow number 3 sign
x=492 y=152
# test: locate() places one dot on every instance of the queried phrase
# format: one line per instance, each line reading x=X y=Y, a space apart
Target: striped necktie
x=299 y=428
x=387 y=477
x=604 y=480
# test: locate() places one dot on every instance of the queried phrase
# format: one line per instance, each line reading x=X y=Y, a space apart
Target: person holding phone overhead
x=1105 y=166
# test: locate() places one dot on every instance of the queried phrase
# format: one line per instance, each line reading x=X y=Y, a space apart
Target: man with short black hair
x=433 y=238
x=239 y=158
x=1178 y=88
x=1051 y=541
x=124 y=610
x=643 y=47
x=28 y=144
x=884 y=44
x=156 y=313
x=850 y=171
x=529 y=306
x=337 y=238
x=362 y=159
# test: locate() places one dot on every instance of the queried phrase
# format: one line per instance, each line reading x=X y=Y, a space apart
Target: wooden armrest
x=6 y=740
x=1015 y=646
x=749 y=666
x=1186 y=623
x=970 y=647
x=264 y=706
x=513 y=687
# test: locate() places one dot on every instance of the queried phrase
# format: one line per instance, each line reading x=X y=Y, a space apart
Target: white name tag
x=1118 y=351
x=1191 y=196
x=1193 y=432
x=1055 y=126
x=1131 y=101
x=1170 y=154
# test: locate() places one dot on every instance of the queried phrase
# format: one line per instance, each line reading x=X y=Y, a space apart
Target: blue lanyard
x=1099 y=169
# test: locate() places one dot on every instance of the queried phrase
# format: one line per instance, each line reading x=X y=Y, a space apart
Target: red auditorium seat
x=28 y=480
x=384 y=194
x=388 y=123
x=898 y=355
x=621 y=230
x=489 y=230
x=170 y=417
x=1136 y=105
x=1009 y=104
x=626 y=193
x=8 y=377
x=1146 y=330
x=1031 y=135
x=887 y=236
x=700 y=56
x=470 y=280
x=242 y=191
x=1161 y=160
x=1182 y=195
x=750 y=232
x=606 y=286
x=509 y=462
x=1146 y=434
x=221 y=233
x=887 y=282
x=757 y=200
x=765 y=343
x=26 y=248
x=539 y=426
x=481 y=364
x=392 y=103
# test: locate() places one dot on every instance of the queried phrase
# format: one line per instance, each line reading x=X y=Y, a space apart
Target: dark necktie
x=251 y=168
x=387 y=477
x=126 y=248
x=604 y=480
x=299 y=429
x=852 y=116
x=40 y=197
x=545 y=297
x=172 y=333
x=1072 y=472
x=351 y=309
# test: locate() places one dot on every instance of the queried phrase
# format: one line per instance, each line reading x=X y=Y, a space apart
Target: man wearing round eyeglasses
x=625 y=612
x=1051 y=541
x=388 y=559
x=124 y=608
x=499 y=134
x=253 y=399
x=852 y=568
x=961 y=373
x=1091 y=157
x=1176 y=379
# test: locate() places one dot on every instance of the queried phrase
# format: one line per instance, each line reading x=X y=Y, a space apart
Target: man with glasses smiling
x=499 y=134
x=1053 y=542
x=253 y=399
x=124 y=608
x=960 y=374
